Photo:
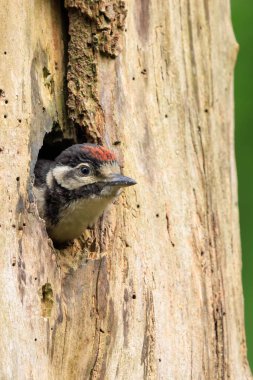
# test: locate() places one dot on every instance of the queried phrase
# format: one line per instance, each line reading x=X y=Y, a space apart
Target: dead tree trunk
x=154 y=290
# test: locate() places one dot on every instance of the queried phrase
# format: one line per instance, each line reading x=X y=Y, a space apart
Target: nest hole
x=55 y=141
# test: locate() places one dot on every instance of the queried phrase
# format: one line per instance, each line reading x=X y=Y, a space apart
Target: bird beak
x=120 y=180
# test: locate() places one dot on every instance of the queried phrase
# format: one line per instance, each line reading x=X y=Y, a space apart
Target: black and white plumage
x=73 y=190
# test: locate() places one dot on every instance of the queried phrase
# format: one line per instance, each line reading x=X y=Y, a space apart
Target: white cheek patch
x=59 y=173
x=62 y=175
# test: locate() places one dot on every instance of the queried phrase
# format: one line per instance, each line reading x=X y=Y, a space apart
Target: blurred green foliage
x=242 y=16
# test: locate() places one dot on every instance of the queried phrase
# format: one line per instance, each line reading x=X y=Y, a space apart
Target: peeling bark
x=93 y=28
x=153 y=291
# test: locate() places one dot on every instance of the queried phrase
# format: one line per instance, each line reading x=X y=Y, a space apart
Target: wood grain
x=154 y=290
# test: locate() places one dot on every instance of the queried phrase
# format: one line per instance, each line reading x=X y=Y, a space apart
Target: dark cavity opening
x=56 y=141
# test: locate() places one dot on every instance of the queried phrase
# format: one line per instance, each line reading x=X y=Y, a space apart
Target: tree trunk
x=154 y=290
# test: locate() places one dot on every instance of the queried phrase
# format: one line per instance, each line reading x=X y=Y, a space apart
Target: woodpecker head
x=92 y=170
x=73 y=191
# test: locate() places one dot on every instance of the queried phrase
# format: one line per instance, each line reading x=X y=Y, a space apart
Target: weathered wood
x=154 y=290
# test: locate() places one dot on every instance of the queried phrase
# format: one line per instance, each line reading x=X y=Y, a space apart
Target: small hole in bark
x=13 y=264
x=46 y=72
x=5 y=52
x=102 y=331
x=5 y=116
x=35 y=278
x=157 y=215
x=166 y=116
x=134 y=296
x=160 y=360
x=117 y=142
x=138 y=206
x=17 y=179
x=35 y=339
x=47 y=301
x=24 y=224
x=202 y=253
x=43 y=109
x=133 y=78
x=14 y=225
x=19 y=120
x=6 y=102
x=206 y=110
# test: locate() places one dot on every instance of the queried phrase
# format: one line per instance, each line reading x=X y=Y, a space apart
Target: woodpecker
x=73 y=190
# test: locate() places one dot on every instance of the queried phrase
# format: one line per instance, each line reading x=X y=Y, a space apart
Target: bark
x=154 y=290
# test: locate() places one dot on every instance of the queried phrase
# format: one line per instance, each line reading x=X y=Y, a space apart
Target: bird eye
x=85 y=170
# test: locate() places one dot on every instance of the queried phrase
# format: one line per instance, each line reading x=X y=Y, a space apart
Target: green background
x=242 y=15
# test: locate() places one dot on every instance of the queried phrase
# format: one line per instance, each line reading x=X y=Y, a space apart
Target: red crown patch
x=100 y=153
